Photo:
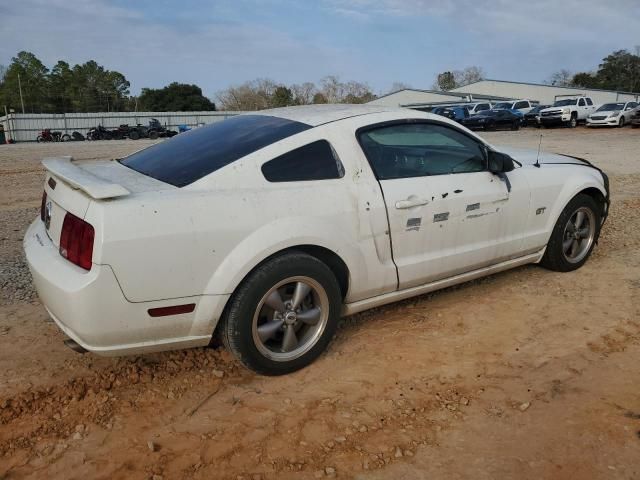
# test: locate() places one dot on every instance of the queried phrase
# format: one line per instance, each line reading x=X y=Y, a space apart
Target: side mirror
x=500 y=162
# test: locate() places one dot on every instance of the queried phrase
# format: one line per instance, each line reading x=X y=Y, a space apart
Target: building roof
x=460 y=89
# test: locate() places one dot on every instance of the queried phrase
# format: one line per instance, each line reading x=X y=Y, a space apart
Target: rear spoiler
x=78 y=178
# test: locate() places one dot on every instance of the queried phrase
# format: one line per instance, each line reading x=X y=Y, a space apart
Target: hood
x=528 y=157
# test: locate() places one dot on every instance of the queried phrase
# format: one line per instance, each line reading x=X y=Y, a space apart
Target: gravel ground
x=527 y=374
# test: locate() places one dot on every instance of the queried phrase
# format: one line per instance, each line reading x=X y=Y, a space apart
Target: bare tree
x=562 y=78
x=303 y=93
x=468 y=75
x=397 y=86
x=458 y=78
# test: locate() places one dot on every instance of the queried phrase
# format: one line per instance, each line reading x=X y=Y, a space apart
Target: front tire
x=283 y=315
x=573 y=123
x=574 y=235
x=621 y=122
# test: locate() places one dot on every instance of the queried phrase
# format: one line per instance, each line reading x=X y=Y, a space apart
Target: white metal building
x=541 y=93
x=410 y=97
x=497 y=90
x=26 y=127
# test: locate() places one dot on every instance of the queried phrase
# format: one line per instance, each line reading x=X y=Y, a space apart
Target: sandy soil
x=526 y=374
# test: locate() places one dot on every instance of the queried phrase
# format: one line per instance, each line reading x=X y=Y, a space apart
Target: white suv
x=568 y=111
x=522 y=106
x=612 y=114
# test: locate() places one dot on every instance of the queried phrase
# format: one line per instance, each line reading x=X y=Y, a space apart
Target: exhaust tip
x=75 y=346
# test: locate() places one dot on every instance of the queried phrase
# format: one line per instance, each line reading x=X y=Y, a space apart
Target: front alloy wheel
x=579 y=234
x=574 y=234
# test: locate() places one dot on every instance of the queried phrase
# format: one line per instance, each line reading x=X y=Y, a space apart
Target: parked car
x=533 y=117
x=567 y=111
x=493 y=120
x=612 y=114
x=453 y=112
x=635 y=118
x=265 y=228
x=517 y=106
x=475 y=108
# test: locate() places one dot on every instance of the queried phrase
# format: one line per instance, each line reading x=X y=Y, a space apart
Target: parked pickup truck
x=567 y=111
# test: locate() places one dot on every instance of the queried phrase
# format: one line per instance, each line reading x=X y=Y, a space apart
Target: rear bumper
x=91 y=309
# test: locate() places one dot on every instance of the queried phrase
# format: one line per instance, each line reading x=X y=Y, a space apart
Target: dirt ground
x=528 y=374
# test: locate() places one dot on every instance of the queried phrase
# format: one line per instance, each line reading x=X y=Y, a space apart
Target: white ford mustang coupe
x=266 y=228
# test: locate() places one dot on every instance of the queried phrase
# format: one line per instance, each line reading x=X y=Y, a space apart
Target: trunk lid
x=71 y=186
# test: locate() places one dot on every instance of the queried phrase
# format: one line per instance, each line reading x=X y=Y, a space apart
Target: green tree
x=28 y=73
x=319 y=98
x=175 y=97
x=620 y=70
x=446 y=81
x=282 y=97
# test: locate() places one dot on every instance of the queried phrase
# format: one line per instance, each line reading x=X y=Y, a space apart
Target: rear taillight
x=76 y=241
x=42 y=206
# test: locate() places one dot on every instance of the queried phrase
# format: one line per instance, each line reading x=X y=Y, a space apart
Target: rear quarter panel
x=205 y=238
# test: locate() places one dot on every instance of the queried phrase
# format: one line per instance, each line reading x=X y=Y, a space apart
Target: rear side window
x=589 y=102
x=193 y=155
x=315 y=161
x=581 y=102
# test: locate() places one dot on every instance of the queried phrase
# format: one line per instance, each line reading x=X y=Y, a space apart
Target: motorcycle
x=47 y=135
x=99 y=133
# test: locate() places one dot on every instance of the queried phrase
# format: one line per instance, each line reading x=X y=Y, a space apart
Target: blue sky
x=219 y=43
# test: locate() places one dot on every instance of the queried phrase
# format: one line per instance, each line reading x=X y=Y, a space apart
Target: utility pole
x=20 y=90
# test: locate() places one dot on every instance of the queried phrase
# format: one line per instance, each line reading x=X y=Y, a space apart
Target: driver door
x=447 y=214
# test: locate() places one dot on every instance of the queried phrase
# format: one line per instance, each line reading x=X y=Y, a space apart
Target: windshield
x=189 y=156
x=608 y=107
x=503 y=106
x=564 y=103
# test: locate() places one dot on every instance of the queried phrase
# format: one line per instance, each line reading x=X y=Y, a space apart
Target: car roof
x=315 y=115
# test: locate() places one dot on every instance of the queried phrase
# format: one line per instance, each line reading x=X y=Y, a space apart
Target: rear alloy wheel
x=574 y=235
x=283 y=316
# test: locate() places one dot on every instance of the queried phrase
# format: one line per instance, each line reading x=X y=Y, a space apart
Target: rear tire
x=574 y=235
x=153 y=135
x=134 y=135
x=263 y=312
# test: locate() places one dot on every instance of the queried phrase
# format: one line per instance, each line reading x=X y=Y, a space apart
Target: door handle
x=410 y=203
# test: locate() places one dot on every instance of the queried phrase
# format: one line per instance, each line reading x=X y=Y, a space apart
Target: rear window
x=315 y=161
x=190 y=156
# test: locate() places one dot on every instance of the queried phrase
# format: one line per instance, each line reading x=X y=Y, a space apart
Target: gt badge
x=540 y=211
